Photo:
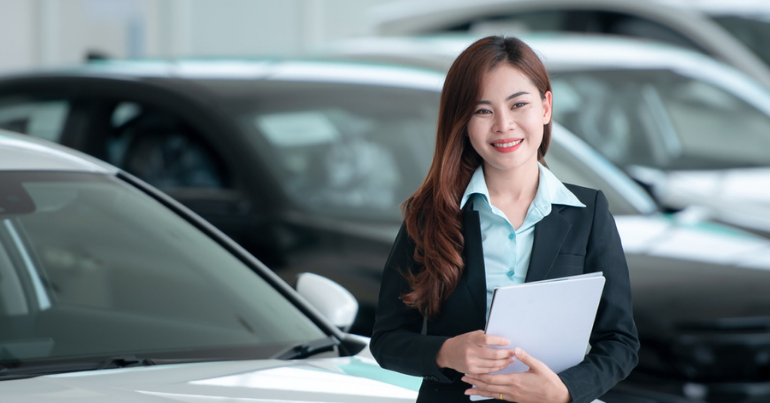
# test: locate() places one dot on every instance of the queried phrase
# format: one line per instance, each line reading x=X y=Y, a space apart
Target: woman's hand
x=468 y=353
x=538 y=384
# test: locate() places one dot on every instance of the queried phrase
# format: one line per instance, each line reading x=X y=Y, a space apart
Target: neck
x=513 y=184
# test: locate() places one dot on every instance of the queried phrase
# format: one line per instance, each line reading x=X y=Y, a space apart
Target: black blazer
x=569 y=241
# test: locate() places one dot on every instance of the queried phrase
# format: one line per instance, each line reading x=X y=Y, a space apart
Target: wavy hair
x=432 y=214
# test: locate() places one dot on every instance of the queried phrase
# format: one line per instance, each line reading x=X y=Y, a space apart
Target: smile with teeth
x=508 y=144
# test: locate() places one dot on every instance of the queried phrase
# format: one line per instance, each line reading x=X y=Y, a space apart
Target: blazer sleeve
x=614 y=340
x=397 y=343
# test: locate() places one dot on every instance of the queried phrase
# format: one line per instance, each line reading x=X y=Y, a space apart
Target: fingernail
x=518 y=350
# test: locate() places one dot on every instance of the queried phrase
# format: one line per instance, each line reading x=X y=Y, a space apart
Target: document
x=551 y=319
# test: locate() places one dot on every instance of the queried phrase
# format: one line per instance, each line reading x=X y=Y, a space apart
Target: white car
x=111 y=291
x=677 y=22
x=692 y=129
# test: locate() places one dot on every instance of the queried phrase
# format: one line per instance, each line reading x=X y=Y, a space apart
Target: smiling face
x=506 y=128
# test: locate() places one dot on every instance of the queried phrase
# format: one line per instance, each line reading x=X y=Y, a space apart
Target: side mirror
x=653 y=180
x=331 y=299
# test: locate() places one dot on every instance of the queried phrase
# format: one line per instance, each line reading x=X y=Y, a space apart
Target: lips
x=506 y=145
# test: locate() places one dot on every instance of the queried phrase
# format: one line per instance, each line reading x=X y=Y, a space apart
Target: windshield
x=344 y=150
x=90 y=266
x=359 y=151
x=662 y=119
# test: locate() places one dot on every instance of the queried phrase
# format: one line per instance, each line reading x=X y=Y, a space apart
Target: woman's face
x=506 y=128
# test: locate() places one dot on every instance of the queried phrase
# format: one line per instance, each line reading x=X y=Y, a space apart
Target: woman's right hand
x=468 y=353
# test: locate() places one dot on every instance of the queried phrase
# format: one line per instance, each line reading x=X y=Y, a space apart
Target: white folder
x=551 y=320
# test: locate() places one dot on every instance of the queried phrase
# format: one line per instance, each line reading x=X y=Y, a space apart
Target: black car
x=304 y=164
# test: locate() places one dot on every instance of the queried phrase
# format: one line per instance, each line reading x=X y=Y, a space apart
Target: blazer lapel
x=550 y=234
x=476 y=280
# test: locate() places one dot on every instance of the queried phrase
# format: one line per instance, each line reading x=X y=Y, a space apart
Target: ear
x=547 y=107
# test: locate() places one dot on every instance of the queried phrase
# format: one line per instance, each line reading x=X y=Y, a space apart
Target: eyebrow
x=510 y=97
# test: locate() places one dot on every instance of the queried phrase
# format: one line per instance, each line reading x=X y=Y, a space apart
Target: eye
x=482 y=112
x=518 y=105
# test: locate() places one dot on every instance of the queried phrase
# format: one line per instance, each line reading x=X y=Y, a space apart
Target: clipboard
x=550 y=319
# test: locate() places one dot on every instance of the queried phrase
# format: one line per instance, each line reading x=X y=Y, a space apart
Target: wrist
x=441 y=356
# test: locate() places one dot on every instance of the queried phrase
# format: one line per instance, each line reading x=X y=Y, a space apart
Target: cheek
x=535 y=124
x=476 y=132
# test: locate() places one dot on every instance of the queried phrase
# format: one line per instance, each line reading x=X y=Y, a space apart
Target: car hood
x=346 y=379
x=737 y=196
x=694 y=273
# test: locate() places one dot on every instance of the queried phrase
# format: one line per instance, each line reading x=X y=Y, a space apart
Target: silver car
x=112 y=291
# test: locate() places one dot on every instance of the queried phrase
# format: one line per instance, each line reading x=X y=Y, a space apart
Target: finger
x=491 y=340
x=528 y=360
x=487 y=367
x=490 y=379
x=481 y=392
x=496 y=354
x=475 y=381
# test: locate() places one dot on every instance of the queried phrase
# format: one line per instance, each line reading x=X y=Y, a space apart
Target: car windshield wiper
x=125 y=362
x=18 y=370
x=310 y=348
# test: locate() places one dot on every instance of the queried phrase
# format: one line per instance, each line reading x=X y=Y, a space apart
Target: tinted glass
x=571 y=168
x=357 y=151
x=752 y=31
x=162 y=149
x=44 y=119
x=361 y=151
x=661 y=119
x=92 y=267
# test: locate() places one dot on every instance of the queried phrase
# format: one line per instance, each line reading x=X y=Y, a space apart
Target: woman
x=490 y=214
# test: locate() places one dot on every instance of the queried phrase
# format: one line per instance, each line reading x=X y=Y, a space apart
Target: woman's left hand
x=538 y=384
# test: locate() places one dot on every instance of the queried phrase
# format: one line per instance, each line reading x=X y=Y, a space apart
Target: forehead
x=505 y=77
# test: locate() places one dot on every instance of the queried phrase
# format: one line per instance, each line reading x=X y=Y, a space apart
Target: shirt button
x=510 y=273
x=511 y=236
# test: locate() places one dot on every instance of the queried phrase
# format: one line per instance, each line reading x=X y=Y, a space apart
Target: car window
x=661 y=118
x=584 y=169
x=92 y=266
x=357 y=151
x=163 y=150
x=44 y=119
x=753 y=31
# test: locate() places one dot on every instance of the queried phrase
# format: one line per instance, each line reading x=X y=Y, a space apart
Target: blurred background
x=297 y=127
x=61 y=32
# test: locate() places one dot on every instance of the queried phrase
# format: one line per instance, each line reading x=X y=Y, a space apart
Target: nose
x=504 y=121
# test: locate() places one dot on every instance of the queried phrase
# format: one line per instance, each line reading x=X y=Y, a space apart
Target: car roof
x=563 y=52
x=316 y=70
x=19 y=152
x=558 y=50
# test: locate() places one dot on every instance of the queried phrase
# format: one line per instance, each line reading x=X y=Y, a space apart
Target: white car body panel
x=26 y=153
x=346 y=379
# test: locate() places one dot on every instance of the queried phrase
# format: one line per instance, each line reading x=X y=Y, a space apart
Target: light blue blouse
x=507 y=251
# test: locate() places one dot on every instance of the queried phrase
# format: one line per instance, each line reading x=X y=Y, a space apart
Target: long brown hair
x=432 y=214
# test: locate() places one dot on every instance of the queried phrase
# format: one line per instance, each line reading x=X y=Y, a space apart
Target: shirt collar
x=550 y=190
